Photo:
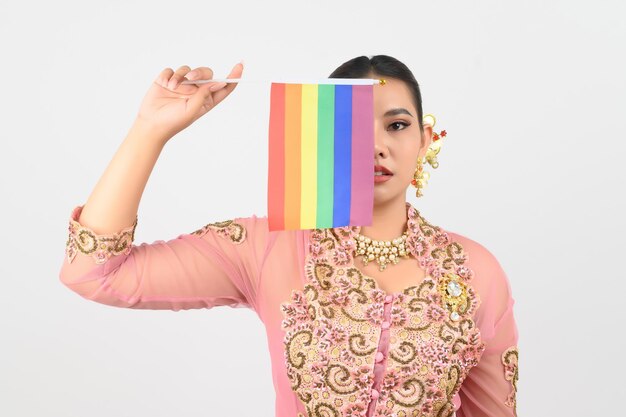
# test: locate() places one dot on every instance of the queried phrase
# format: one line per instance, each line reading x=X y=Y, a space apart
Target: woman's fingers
x=164 y=76
x=200 y=73
x=171 y=79
x=222 y=93
x=177 y=77
x=217 y=86
x=201 y=100
x=198 y=98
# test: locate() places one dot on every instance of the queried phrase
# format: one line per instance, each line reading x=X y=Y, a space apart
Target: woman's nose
x=380 y=146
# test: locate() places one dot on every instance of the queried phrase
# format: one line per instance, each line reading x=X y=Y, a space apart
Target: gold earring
x=421 y=177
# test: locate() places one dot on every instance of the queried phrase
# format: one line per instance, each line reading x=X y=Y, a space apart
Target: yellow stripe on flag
x=308 y=187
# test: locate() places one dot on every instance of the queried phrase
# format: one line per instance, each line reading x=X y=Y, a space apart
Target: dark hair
x=382 y=66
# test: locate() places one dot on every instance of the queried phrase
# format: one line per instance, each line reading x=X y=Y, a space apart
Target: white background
x=530 y=92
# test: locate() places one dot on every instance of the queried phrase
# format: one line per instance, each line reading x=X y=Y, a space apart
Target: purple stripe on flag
x=362 y=186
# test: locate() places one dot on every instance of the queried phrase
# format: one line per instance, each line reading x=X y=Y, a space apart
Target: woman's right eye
x=400 y=123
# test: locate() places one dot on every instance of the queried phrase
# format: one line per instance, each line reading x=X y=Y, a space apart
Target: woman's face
x=398 y=141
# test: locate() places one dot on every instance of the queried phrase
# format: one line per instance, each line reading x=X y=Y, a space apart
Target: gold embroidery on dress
x=510 y=359
x=230 y=229
x=333 y=329
x=100 y=247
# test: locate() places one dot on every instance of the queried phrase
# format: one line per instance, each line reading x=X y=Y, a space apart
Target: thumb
x=199 y=98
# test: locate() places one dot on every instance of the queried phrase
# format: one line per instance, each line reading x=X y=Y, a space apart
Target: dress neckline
x=417 y=242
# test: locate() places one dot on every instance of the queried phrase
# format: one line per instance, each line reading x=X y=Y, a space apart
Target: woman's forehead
x=394 y=94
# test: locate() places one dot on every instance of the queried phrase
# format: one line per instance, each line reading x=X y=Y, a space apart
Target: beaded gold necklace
x=381 y=251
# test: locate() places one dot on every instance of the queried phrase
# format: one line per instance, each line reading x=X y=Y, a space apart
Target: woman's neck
x=388 y=220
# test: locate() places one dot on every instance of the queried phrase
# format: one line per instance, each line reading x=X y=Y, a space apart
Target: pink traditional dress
x=339 y=344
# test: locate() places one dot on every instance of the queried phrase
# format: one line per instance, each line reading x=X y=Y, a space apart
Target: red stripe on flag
x=276 y=163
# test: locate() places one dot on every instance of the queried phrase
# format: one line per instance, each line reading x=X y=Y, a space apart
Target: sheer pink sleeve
x=215 y=265
x=490 y=388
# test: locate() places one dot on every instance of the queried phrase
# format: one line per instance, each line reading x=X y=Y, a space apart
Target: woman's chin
x=383 y=195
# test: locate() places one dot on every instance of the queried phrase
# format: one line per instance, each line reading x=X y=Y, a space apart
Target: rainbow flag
x=321 y=155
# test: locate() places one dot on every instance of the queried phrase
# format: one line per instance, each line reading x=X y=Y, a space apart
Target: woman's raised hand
x=170 y=106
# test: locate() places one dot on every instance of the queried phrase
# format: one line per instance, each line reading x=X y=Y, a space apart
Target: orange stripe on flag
x=293 y=123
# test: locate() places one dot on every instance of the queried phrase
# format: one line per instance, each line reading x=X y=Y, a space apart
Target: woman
x=349 y=333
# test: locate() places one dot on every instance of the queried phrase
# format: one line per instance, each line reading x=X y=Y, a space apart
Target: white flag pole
x=351 y=81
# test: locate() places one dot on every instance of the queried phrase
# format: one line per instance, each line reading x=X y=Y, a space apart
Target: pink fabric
x=383 y=352
x=325 y=322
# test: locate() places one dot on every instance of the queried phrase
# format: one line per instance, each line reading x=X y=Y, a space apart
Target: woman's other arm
x=490 y=388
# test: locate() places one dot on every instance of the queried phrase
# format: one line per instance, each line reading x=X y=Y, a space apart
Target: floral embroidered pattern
x=228 y=229
x=100 y=247
x=333 y=329
x=510 y=361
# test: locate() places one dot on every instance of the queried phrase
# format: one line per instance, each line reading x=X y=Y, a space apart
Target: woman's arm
x=114 y=202
x=218 y=264
x=490 y=388
x=199 y=269
x=167 y=108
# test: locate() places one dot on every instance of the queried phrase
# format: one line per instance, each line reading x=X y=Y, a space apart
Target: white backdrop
x=530 y=92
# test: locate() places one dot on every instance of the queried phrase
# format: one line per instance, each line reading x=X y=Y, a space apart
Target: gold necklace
x=381 y=251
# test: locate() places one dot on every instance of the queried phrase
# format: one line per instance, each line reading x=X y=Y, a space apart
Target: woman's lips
x=382 y=178
x=383 y=169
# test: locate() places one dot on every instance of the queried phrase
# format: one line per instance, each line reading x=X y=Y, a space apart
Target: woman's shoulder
x=237 y=229
x=255 y=229
x=488 y=274
x=489 y=281
x=477 y=252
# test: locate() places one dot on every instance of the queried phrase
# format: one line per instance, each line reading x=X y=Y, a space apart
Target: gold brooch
x=454 y=295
